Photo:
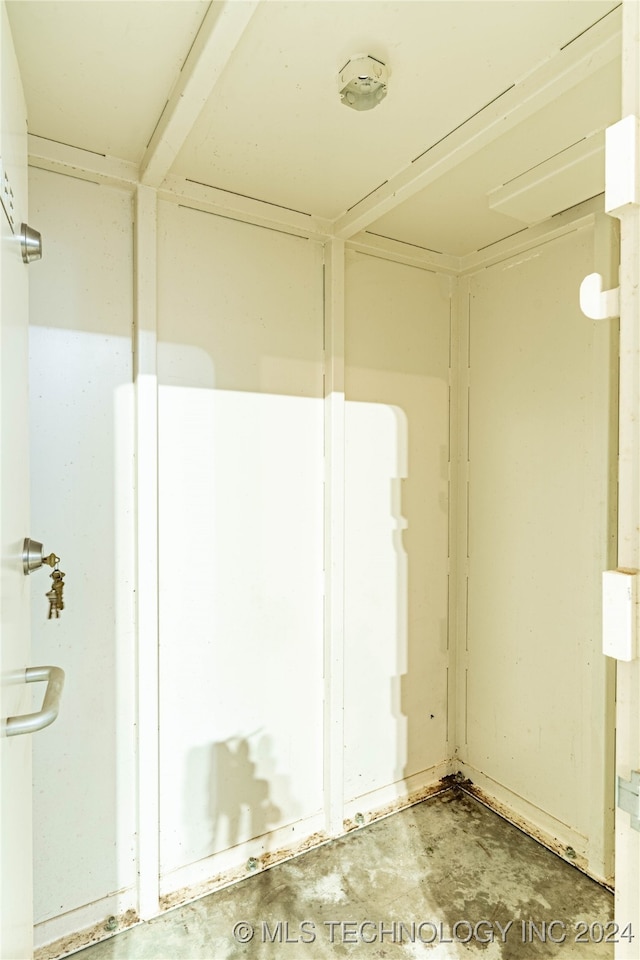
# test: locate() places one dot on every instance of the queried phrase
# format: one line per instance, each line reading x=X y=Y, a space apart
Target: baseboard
x=393 y=797
x=223 y=869
x=89 y=922
x=553 y=834
x=196 y=880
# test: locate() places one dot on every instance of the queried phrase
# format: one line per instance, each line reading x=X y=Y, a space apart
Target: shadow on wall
x=240 y=802
x=225 y=801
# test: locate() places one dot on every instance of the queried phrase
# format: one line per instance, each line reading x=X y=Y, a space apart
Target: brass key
x=58 y=587
x=53 y=604
x=54 y=596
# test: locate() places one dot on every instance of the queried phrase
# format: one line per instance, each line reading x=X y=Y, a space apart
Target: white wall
x=82 y=508
x=241 y=543
x=397 y=456
x=240 y=364
x=541 y=495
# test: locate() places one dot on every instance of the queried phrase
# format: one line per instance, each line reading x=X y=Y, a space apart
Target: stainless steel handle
x=31 y=722
x=30 y=243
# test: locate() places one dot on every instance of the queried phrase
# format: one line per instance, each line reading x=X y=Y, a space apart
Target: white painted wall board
x=241 y=532
x=334 y=499
x=396 y=524
x=82 y=508
x=541 y=432
x=145 y=363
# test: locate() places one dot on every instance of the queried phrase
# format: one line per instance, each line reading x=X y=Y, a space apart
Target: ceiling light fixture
x=363 y=82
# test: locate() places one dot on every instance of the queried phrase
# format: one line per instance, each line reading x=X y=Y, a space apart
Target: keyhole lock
x=32 y=559
x=33 y=556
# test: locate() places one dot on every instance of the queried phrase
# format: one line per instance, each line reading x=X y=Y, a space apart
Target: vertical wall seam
x=461 y=587
x=147 y=627
x=334 y=519
x=452 y=553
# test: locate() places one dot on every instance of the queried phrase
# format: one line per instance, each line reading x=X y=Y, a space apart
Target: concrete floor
x=447 y=869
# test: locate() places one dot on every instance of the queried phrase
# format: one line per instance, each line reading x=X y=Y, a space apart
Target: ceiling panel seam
x=236 y=193
x=248 y=223
x=464 y=122
x=83 y=164
x=591 y=26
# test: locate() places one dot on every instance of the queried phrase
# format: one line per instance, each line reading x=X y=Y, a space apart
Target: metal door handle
x=31 y=722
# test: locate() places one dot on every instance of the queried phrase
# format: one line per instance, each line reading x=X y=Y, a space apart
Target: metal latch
x=629 y=797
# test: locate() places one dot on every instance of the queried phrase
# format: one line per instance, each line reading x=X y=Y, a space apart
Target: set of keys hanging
x=33 y=558
x=54 y=596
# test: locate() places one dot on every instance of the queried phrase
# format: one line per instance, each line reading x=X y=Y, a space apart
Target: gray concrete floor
x=448 y=870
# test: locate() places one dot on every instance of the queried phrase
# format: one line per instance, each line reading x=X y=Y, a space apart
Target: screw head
x=111 y=924
x=252 y=863
x=359 y=819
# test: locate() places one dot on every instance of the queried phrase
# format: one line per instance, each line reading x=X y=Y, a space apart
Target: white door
x=16 y=921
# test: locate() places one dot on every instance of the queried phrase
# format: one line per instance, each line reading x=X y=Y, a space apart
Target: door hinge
x=629 y=797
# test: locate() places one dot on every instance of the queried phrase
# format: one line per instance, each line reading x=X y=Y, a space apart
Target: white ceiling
x=453 y=214
x=98 y=73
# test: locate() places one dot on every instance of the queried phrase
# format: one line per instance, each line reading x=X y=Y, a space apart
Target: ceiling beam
x=200 y=196
x=594 y=49
x=82 y=164
x=219 y=35
x=415 y=256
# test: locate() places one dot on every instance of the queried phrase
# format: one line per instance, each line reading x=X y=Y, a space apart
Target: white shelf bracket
x=596 y=303
x=620 y=614
x=622 y=166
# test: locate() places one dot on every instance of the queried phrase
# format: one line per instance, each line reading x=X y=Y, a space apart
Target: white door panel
x=15 y=697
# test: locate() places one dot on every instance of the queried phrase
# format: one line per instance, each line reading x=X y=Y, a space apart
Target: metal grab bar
x=31 y=722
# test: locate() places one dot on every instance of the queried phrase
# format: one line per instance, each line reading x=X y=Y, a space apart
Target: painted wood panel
x=541 y=500
x=397 y=348
x=240 y=367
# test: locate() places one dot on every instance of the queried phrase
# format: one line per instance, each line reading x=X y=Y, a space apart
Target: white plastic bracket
x=619 y=614
x=596 y=303
x=622 y=165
